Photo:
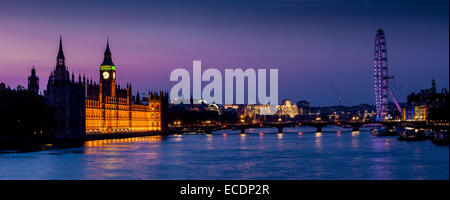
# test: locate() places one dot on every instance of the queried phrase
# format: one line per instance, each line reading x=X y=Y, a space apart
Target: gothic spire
x=107 y=60
x=60 y=58
x=33 y=71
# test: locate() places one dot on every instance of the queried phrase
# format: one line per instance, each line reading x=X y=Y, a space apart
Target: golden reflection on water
x=243 y=137
x=109 y=142
x=280 y=136
x=261 y=136
x=104 y=157
x=318 y=141
x=355 y=140
x=318 y=134
x=209 y=138
x=178 y=138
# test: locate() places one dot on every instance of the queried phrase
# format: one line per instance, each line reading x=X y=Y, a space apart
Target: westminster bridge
x=355 y=125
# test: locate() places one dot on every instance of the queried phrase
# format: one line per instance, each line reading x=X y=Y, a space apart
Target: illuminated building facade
x=265 y=112
x=287 y=109
x=420 y=105
x=105 y=107
x=420 y=113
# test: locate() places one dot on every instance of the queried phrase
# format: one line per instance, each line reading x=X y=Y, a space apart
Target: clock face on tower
x=105 y=75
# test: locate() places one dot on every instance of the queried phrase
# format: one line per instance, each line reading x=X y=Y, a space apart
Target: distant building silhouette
x=33 y=81
x=67 y=97
x=303 y=109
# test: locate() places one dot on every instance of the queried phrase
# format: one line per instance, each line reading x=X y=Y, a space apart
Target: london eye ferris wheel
x=381 y=75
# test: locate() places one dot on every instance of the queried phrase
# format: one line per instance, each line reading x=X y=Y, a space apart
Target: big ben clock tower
x=107 y=75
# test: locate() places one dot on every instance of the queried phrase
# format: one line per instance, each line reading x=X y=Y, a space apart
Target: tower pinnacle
x=60 y=60
x=107 y=60
x=433 y=85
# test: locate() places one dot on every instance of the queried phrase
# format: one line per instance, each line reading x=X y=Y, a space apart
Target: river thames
x=299 y=153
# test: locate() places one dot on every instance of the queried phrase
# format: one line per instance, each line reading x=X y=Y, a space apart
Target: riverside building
x=86 y=107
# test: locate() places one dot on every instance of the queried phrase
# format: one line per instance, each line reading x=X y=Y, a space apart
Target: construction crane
x=339 y=97
x=395 y=101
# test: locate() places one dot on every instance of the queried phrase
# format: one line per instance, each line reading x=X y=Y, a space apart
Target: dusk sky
x=317 y=45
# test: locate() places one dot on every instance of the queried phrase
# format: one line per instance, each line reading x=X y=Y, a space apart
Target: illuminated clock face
x=105 y=75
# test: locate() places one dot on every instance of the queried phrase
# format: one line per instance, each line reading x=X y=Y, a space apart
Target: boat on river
x=383 y=131
x=440 y=138
x=412 y=134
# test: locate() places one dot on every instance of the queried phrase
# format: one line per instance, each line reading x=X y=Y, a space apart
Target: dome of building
x=287 y=102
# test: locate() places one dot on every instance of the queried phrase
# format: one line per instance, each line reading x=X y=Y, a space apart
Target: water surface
x=299 y=153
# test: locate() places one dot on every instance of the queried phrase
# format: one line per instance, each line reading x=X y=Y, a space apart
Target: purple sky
x=314 y=44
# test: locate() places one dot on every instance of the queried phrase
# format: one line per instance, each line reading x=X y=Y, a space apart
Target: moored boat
x=440 y=138
x=412 y=134
x=383 y=131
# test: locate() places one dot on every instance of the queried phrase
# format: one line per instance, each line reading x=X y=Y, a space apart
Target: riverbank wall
x=20 y=142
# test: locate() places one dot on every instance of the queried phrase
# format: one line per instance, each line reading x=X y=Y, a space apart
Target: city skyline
x=151 y=44
x=207 y=94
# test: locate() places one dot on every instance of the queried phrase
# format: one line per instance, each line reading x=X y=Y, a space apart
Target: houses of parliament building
x=83 y=106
